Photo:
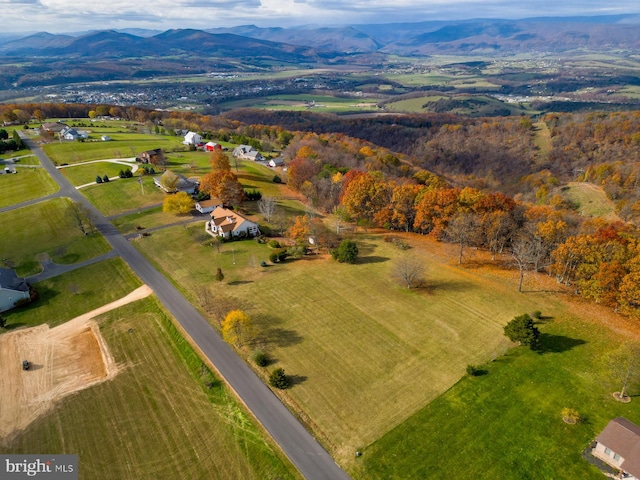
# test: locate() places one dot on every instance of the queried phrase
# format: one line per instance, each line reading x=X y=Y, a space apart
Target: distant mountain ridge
x=316 y=43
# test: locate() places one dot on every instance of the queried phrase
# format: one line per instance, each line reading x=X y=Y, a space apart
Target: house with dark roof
x=230 y=224
x=618 y=445
x=54 y=127
x=155 y=157
x=13 y=289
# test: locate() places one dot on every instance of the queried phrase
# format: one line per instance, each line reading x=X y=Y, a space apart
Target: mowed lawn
x=83 y=174
x=27 y=184
x=157 y=418
x=365 y=353
x=123 y=195
x=46 y=227
x=507 y=423
x=79 y=291
x=122 y=146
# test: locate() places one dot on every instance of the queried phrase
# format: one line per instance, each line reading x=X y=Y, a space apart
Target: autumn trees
x=179 y=204
x=221 y=182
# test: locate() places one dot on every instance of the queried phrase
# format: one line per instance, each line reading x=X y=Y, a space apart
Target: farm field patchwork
x=57 y=234
x=162 y=416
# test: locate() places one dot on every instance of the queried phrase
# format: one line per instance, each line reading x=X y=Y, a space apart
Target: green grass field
x=302 y=102
x=413 y=105
x=46 y=227
x=349 y=343
x=123 y=145
x=156 y=418
x=591 y=199
x=507 y=422
x=79 y=291
x=83 y=174
x=123 y=194
x=27 y=184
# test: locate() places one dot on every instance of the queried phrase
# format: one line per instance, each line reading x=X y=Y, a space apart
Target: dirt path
x=64 y=359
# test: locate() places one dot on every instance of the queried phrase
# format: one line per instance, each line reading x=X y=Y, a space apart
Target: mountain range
x=310 y=44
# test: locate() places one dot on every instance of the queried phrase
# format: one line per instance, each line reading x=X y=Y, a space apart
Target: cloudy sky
x=57 y=16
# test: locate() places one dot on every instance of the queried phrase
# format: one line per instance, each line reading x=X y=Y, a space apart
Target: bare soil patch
x=63 y=360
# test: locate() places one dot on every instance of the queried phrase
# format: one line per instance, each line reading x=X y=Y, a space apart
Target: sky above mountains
x=59 y=16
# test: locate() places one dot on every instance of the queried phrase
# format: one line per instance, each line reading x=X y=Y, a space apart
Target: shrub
x=473 y=370
x=274 y=244
x=277 y=179
x=278 y=256
x=537 y=314
x=347 y=252
x=252 y=194
x=260 y=358
x=522 y=330
x=278 y=379
x=263 y=263
x=98 y=179
x=105 y=179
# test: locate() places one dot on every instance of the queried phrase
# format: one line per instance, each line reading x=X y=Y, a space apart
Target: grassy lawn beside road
x=83 y=174
x=507 y=422
x=46 y=227
x=365 y=353
x=27 y=184
x=157 y=418
x=79 y=291
x=123 y=194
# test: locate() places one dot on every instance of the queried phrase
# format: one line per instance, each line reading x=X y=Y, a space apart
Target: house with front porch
x=618 y=445
x=230 y=224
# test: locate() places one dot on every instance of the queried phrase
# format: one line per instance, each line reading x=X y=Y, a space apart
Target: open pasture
x=364 y=355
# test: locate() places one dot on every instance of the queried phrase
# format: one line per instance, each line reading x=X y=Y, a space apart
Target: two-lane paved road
x=300 y=446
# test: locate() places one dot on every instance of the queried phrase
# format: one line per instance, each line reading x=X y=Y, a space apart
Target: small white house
x=73 y=134
x=208 y=206
x=276 y=162
x=192 y=138
x=247 y=152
